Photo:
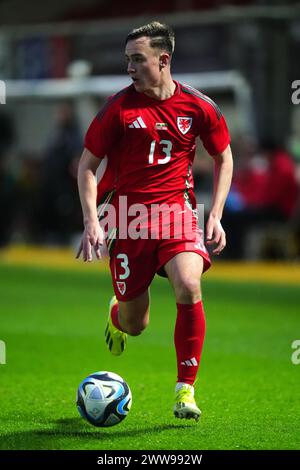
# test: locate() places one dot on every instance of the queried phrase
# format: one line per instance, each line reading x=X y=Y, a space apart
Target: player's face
x=143 y=64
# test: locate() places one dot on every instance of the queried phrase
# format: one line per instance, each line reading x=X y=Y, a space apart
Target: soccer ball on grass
x=103 y=399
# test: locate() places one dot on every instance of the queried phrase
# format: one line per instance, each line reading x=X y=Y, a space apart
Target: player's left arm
x=223 y=168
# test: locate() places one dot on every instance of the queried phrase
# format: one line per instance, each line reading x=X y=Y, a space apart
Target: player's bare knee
x=135 y=330
x=188 y=291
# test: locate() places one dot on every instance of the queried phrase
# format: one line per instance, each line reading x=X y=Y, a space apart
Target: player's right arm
x=92 y=238
x=100 y=139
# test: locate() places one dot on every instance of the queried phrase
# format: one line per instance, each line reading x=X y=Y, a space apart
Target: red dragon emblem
x=184 y=124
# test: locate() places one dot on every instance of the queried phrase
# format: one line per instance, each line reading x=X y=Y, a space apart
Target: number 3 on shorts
x=124 y=265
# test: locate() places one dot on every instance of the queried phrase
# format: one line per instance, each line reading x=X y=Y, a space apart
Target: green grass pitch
x=52 y=322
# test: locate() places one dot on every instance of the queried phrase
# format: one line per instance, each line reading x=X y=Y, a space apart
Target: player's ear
x=164 y=60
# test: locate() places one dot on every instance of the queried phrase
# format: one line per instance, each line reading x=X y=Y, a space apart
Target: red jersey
x=150 y=143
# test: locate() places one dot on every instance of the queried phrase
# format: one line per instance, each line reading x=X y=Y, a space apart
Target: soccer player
x=147 y=134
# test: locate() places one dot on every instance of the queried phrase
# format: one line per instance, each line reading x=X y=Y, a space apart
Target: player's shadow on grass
x=53 y=438
x=75 y=427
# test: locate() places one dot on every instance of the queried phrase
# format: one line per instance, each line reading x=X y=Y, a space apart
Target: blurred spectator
x=264 y=191
x=26 y=224
x=7 y=180
x=59 y=209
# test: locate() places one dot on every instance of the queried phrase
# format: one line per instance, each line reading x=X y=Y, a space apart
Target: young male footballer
x=147 y=133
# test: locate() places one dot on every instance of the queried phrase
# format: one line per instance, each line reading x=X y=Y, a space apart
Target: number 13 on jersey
x=165 y=147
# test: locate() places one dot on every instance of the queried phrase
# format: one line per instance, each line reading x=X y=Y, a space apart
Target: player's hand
x=92 y=239
x=215 y=234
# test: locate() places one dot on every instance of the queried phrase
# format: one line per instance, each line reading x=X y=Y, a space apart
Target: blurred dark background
x=60 y=60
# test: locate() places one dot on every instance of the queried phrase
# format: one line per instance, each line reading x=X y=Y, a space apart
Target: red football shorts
x=134 y=262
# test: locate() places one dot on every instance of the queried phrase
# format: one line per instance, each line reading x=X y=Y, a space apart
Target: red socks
x=114 y=316
x=189 y=338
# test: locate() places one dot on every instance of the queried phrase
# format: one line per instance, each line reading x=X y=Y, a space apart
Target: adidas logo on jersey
x=138 y=123
x=190 y=362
